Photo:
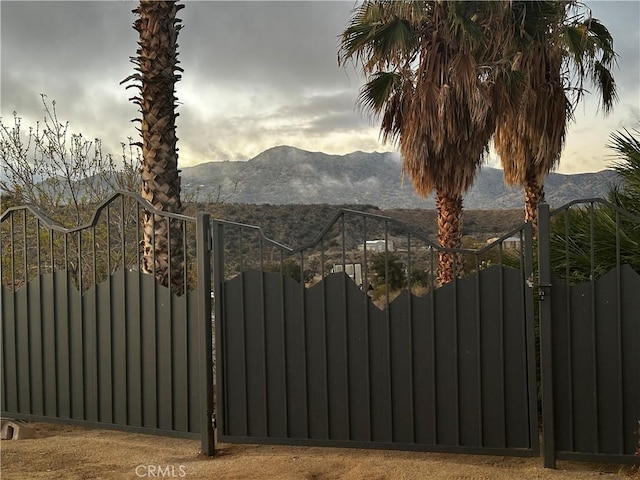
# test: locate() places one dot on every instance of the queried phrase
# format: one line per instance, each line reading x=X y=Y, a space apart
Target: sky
x=256 y=75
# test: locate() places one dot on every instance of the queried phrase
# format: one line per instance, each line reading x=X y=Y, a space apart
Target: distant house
x=378 y=245
x=507 y=243
x=353 y=270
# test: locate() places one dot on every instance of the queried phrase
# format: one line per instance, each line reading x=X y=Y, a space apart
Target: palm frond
x=601 y=39
x=626 y=144
x=376 y=36
x=603 y=77
x=378 y=91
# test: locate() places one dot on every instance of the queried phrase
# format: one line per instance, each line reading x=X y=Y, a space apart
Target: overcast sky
x=257 y=75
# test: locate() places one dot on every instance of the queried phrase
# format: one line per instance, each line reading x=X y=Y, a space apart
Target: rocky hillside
x=286 y=175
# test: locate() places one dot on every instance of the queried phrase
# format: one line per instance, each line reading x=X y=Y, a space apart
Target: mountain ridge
x=288 y=175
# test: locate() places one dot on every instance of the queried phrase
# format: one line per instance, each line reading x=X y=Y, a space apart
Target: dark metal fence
x=346 y=341
x=314 y=361
x=590 y=314
x=87 y=337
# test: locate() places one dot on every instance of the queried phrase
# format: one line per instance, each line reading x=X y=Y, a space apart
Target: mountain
x=287 y=175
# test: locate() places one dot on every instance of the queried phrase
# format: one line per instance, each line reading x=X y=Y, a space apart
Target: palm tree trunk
x=162 y=249
x=533 y=195
x=449 y=235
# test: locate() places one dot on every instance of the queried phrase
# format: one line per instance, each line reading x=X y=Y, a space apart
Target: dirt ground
x=70 y=452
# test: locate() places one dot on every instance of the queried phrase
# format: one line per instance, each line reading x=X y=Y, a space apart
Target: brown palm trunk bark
x=162 y=246
x=533 y=195
x=449 y=235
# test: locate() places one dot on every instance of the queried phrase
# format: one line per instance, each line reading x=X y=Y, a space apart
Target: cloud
x=257 y=74
x=586 y=147
x=285 y=45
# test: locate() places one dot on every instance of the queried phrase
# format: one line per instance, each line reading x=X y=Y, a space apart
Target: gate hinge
x=209 y=241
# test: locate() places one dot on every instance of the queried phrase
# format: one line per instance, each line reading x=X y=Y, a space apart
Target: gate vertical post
x=218 y=297
x=203 y=250
x=546 y=350
x=532 y=386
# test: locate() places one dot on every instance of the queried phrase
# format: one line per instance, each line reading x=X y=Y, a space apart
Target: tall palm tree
x=429 y=71
x=157 y=64
x=557 y=46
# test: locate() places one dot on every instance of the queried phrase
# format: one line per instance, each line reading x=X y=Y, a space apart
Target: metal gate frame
x=598 y=421
x=519 y=279
x=107 y=347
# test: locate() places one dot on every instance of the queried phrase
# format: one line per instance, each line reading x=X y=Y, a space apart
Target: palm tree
x=157 y=63
x=557 y=45
x=429 y=75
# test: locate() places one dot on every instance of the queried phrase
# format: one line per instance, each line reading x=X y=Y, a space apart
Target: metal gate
x=87 y=338
x=590 y=336
x=311 y=360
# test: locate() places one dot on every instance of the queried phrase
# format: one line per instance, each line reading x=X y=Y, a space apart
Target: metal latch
x=543 y=288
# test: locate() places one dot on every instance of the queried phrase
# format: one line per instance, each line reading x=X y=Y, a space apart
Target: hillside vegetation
x=296 y=225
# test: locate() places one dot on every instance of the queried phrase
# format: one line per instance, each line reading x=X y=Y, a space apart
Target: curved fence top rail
x=592 y=201
x=337 y=216
x=53 y=225
x=253 y=227
x=344 y=211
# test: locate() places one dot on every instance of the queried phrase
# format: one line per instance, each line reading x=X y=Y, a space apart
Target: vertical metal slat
x=546 y=337
x=203 y=235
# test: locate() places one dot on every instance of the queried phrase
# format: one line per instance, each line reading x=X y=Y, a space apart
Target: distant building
x=353 y=270
x=378 y=245
x=507 y=243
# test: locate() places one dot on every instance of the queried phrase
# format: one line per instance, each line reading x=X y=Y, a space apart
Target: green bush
x=589 y=241
x=389 y=269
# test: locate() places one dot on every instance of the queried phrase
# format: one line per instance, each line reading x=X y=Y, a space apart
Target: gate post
x=217 y=242
x=203 y=250
x=530 y=328
x=546 y=360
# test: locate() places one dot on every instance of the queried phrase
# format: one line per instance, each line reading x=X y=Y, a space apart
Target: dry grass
x=64 y=452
